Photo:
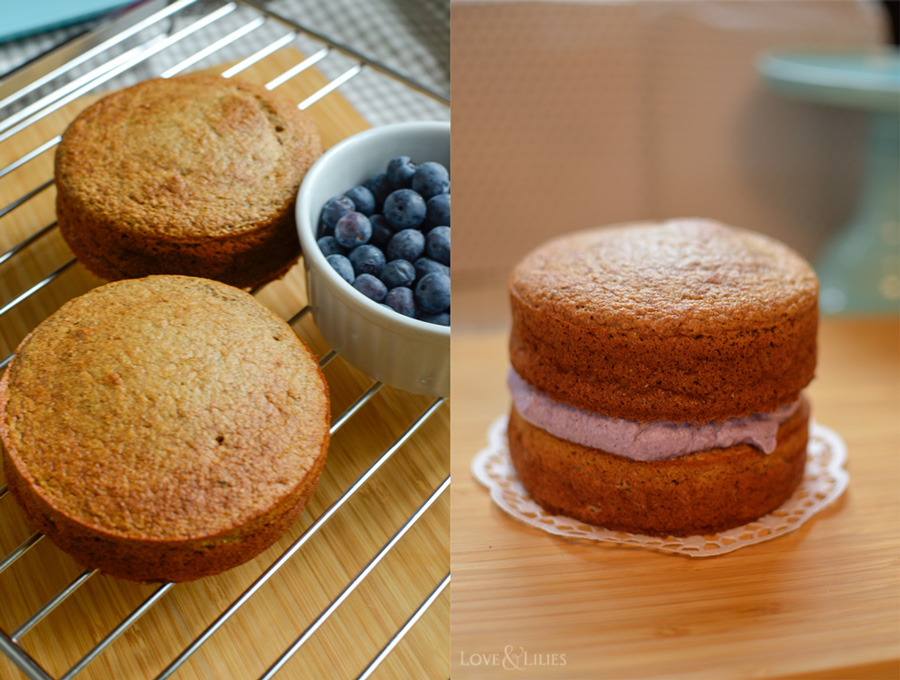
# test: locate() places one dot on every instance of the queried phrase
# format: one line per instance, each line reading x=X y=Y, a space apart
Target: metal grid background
x=163 y=39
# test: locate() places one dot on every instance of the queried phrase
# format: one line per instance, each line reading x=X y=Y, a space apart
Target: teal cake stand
x=860 y=269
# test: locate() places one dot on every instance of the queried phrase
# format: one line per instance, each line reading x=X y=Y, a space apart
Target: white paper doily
x=823 y=481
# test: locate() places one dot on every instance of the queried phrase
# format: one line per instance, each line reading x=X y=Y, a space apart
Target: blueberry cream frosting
x=643 y=441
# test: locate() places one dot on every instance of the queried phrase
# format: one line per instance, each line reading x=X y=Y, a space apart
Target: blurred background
x=568 y=115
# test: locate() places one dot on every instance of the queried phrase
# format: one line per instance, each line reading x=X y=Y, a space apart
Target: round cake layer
x=195 y=174
x=688 y=320
x=699 y=493
x=163 y=429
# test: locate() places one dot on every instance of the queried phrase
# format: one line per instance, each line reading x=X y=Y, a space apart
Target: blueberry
x=401 y=301
x=437 y=211
x=425 y=265
x=437 y=244
x=398 y=273
x=333 y=210
x=342 y=266
x=433 y=293
x=329 y=246
x=400 y=172
x=353 y=229
x=407 y=244
x=404 y=208
x=371 y=287
x=442 y=319
x=389 y=237
x=362 y=198
x=367 y=259
x=380 y=187
x=381 y=231
x=431 y=179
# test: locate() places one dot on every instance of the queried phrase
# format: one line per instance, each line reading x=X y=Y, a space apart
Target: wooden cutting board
x=821 y=602
x=283 y=608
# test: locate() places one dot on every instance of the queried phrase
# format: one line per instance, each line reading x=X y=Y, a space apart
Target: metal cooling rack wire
x=121 y=63
x=314 y=626
x=411 y=621
x=103 y=72
x=350 y=51
x=55 y=100
x=67 y=57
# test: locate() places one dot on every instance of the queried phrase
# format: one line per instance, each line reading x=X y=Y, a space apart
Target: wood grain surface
x=294 y=597
x=821 y=602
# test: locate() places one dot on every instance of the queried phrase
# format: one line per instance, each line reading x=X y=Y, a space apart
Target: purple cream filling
x=643 y=441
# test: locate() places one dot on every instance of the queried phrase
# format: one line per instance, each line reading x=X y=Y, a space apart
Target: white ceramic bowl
x=397 y=350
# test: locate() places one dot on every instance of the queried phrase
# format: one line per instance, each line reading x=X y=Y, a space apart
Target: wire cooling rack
x=358 y=587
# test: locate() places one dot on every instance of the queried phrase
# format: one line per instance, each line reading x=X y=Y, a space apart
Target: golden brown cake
x=195 y=175
x=657 y=372
x=163 y=429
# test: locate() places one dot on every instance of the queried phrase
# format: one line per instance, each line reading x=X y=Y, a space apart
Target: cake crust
x=195 y=174
x=686 y=321
x=163 y=429
x=700 y=493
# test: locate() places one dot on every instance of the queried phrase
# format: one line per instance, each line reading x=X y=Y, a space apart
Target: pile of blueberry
x=390 y=238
